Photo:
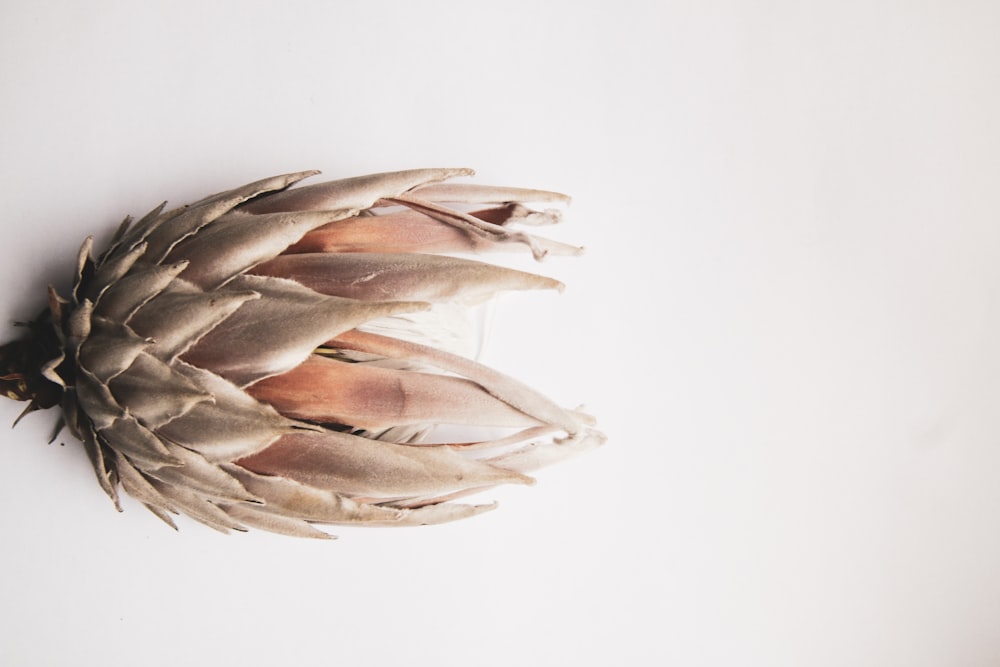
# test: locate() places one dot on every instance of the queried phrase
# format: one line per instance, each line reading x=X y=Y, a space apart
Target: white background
x=788 y=323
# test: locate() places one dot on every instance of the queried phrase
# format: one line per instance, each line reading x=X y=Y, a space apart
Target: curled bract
x=277 y=357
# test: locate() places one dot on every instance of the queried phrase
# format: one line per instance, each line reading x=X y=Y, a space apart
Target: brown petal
x=412 y=231
x=400 y=231
x=505 y=388
x=368 y=397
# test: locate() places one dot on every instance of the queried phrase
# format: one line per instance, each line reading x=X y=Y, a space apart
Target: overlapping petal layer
x=219 y=359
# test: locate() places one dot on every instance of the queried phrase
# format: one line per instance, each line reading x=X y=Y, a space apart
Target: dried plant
x=278 y=357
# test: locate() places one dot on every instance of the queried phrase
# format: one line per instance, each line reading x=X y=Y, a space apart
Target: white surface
x=787 y=323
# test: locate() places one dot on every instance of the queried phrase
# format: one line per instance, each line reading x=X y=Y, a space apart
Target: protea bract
x=277 y=357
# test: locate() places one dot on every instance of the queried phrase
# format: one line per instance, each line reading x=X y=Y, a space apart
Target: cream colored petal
x=535 y=448
x=368 y=397
x=378 y=276
x=178 y=318
x=542 y=454
x=441 y=513
x=197 y=475
x=518 y=214
x=351 y=465
x=231 y=426
x=236 y=242
x=276 y=523
x=169 y=228
x=50 y=371
x=486 y=230
x=278 y=331
x=505 y=388
x=474 y=193
x=290 y=498
x=282 y=495
x=360 y=192
x=198 y=507
x=521 y=438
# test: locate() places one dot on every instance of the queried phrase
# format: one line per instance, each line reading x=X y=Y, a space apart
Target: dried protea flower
x=278 y=358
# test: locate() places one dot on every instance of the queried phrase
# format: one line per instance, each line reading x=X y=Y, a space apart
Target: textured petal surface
x=359 y=467
x=179 y=317
x=155 y=392
x=197 y=474
x=110 y=349
x=228 y=427
x=162 y=233
x=125 y=297
x=503 y=387
x=276 y=332
x=135 y=441
x=472 y=193
x=255 y=517
x=486 y=230
x=400 y=231
x=373 y=398
x=360 y=192
x=378 y=276
x=237 y=242
x=218 y=359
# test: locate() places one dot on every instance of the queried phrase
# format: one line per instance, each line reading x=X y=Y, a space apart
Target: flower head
x=278 y=357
